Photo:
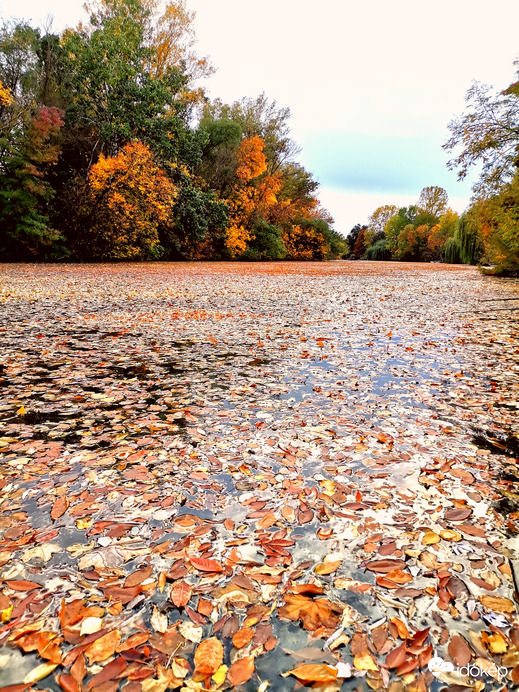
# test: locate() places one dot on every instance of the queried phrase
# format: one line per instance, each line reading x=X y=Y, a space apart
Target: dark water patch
x=39 y=417
x=259 y=361
x=497 y=443
x=174 y=368
x=121 y=372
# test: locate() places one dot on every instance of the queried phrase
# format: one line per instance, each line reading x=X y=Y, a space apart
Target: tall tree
x=487 y=133
x=433 y=200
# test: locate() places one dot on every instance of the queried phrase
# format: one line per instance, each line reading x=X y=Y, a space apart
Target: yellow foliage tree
x=127 y=197
x=172 y=36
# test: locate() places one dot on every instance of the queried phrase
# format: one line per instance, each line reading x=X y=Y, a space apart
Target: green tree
x=258 y=117
x=25 y=194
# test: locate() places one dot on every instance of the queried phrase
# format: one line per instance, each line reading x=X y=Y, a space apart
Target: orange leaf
x=208 y=656
x=138 y=577
x=21 y=585
x=242 y=637
x=314 y=672
x=104 y=647
x=203 y=564
x=241 y=671
x=180 y=594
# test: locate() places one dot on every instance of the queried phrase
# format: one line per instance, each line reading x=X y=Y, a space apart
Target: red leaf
x=204 y=564
x=396 y=657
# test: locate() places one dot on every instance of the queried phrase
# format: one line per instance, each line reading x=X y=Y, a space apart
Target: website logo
x=438 y=665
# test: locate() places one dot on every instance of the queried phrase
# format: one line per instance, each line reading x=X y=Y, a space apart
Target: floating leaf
x=313 y=672
x=180 y=594
x=104 y=647
x=241 y=670
x=208 y=656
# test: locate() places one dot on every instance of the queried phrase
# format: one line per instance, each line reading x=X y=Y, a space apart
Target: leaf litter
x=257 y=476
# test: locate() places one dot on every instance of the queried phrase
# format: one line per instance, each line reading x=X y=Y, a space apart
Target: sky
x=371 y=86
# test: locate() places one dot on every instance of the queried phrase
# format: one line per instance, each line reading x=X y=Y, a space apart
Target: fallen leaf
x=313 y=672
x=208 y=656
x=241 y=670
x=104 y=647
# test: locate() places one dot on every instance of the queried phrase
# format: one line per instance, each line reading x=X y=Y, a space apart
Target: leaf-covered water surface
x=258 y=476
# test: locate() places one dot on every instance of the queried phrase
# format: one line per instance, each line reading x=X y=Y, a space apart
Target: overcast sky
x=371 y=87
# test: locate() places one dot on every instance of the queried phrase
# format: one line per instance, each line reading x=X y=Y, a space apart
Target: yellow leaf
x=219 y=677
x=5 y=615
x=84 y=523
x=328 y=567
x=364 y=661
x=430 y=537
x=21 y=411
x=39 y=673
x=450 y=535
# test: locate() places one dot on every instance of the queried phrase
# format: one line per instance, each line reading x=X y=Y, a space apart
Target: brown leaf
x=459 y=650
x=500 y=605
x=208 y=656
x=241 y=671
x=181 y=593
x=59 y=507
x=110 y=671
x=384 y=566
x=457 y=514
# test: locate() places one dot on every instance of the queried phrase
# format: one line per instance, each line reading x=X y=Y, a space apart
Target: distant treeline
x=487 y=134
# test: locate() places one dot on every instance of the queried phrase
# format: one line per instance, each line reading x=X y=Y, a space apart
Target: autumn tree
x=127 y=197
x=252 y=196
x=433 y=200
x=487 y=134
x=377 y=221
x=307 y=240
x=172 y=37
x=25 y=194
x=258 y=117
x=360 y=245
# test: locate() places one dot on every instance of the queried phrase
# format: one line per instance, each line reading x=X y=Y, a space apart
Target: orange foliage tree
x=127 y=197
x=253 y=195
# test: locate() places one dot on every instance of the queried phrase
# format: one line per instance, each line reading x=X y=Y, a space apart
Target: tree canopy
x=110 y=149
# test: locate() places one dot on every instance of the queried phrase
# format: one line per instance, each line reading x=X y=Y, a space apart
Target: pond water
x=319 y=452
